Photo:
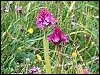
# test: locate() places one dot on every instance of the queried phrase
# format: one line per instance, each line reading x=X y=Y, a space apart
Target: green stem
x=46 y=53
x=26 y=70
x=58 y=9
x=26 y=65
x=74 y=64
x=57 y=60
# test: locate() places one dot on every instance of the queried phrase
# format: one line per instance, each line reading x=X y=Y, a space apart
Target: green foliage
x=78 y=21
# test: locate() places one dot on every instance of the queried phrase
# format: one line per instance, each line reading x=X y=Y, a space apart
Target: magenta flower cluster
x=58 y=36
x=45 y=18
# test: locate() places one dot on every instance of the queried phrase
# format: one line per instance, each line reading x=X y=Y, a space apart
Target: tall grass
x=78 y=19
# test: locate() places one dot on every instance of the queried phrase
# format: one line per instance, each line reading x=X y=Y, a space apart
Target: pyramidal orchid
x=58 y=36
x=45 y=18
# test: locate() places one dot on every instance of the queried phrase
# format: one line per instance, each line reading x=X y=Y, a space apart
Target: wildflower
x=30 y=30
x=45 y=18
x=58 y=36
x=86 y=71
x=2 y=8
x=39 y=57
x=27 y=59
x=10 y=2
x=35 y=70
x=1 y=42
x=81 y=70
x=74 y=54
x=6 y=9
x=18 y=9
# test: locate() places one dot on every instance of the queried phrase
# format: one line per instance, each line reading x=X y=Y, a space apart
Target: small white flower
x=27 y=59
x=6 y=9
x=10 y=2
